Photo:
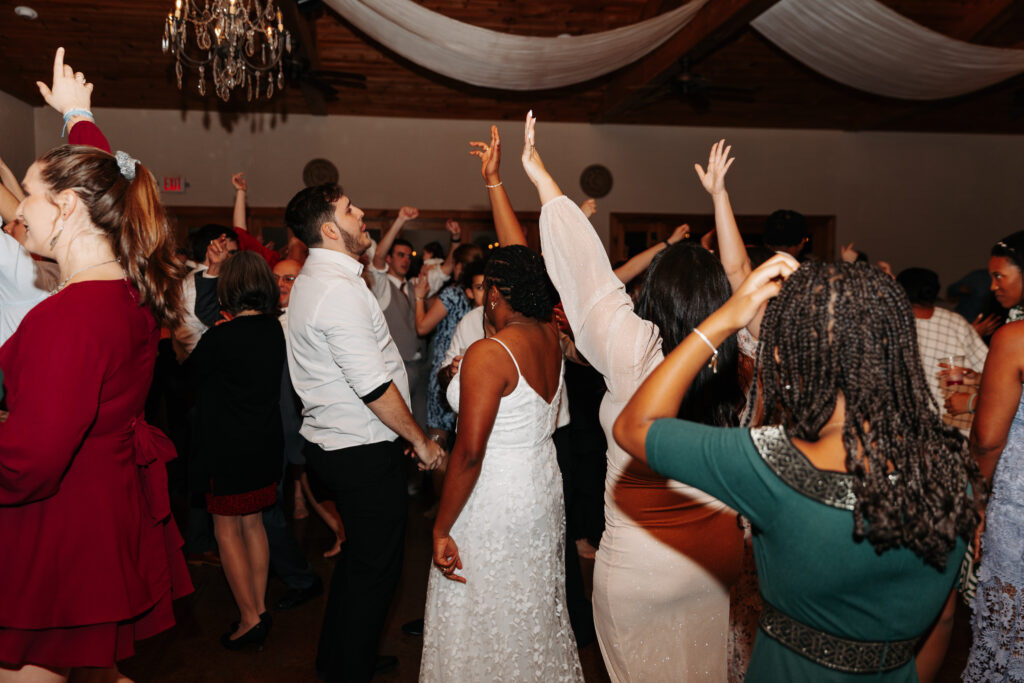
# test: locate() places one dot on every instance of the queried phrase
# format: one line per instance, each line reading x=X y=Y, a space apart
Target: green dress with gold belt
x=809 y=567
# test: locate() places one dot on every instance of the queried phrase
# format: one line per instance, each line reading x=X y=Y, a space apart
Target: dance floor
x=192 y=651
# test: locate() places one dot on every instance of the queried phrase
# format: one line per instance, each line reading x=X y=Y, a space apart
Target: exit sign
x=174 y=184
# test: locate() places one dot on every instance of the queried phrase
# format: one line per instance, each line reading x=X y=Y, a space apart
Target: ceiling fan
x=302 y=67
x=698 y=91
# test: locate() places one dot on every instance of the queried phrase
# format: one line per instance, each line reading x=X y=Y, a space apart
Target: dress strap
x=514 y=362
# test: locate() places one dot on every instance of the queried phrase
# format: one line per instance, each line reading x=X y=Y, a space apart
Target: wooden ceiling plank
x=712 y=26
x=304 y=47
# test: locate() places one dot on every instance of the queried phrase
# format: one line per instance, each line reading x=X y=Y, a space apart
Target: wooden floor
x=191 y=651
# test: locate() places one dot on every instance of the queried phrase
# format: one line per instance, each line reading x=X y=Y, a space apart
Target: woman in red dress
x=92 y=557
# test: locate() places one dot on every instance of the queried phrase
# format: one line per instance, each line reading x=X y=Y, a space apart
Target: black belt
x=835 y=652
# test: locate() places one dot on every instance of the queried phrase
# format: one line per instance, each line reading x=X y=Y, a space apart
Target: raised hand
x=761 y=285
x=847 y=253
x=679 y=234
x=490 y=157
x=422 y=287
x=589 y=207
x=238 y=180
x=454 y=229
x=408 y=213
x=713 y=179
x=446 y=558
x=69 y=89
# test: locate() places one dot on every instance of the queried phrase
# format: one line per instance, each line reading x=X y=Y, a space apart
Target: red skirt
x=242 y=503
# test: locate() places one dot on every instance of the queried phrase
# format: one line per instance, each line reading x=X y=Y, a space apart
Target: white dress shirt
x=339 y=349
x=24 y=282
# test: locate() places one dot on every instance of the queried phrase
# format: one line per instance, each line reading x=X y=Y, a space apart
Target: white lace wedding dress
x=509 y=621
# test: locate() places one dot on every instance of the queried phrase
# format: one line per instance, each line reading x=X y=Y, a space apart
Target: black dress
x=238 y=439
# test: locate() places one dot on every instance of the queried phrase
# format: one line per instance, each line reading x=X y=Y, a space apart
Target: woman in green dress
x=860 y=497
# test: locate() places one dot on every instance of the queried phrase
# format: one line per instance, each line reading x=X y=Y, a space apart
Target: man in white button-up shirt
x=355 y=396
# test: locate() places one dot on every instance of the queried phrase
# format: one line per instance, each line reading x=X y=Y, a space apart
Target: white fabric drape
x=499 y=60
x=868 y=46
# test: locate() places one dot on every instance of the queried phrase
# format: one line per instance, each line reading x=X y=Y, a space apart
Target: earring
x=493 y=304
x=57 y=236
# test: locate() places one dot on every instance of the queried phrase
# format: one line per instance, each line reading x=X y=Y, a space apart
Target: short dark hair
x=246 y=283
x=399 y=243
x=470 y=271
x=785 y=228
x=920 y=284
x=309 y=209
x=519 y=275
x=467 y=253
x=434 y=248
x=1011 y=247
x=201 y=237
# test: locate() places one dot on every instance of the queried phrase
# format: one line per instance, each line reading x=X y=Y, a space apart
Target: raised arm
x=10 y=182
x=455 y=233
x=70 y=94
x=505 y=222
x=8 y=204
x=731 y=249
x=662 y=392
x=999 y=397
x=405 y=214
x=486 y=375
x=241 y=187
x=639 y=263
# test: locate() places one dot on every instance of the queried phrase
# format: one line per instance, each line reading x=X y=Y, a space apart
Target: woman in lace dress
x=859 y=494
x=997 y=441
x=496 y=606
x=669 y=552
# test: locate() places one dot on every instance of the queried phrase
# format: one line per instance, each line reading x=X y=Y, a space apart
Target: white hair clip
x=126 y=164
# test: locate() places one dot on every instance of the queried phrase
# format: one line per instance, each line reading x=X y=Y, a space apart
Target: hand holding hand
x=847 y=253
x=679 y=234
x=719 y=162
x=490 y=157
x=238 y=180
x=760 y=286
x=589 y=207
x=430 y=454
x=69 y=89
x=422 y=287
x=454 y=229
x=446 y=558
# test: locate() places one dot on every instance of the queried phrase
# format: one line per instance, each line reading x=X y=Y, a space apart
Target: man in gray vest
x=397 y=298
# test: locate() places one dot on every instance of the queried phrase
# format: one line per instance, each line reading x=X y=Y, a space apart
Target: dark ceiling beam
x=712 y=26
x=977 y=24
x=981 y=20
x=304 y=47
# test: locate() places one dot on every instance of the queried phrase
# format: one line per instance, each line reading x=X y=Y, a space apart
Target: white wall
x=17 y=134
x=912 y=199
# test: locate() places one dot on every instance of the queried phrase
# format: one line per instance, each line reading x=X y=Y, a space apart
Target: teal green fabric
x=808 y=564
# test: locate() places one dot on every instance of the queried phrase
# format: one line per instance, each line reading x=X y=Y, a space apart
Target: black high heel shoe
x=255 y=636
x=264 y=618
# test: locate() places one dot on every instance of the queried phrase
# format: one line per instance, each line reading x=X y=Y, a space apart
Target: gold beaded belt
x=835 y=652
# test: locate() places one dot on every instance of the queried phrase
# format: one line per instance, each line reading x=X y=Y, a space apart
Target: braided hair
x=520 y=277
x=838 y=327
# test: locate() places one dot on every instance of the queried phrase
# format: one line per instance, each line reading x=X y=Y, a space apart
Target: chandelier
x=239 y=42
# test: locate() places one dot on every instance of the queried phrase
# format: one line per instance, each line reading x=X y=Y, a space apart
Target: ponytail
x=146 y=249
x=130 y=214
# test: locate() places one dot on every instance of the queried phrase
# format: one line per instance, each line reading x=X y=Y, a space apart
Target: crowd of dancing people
x=806 y=463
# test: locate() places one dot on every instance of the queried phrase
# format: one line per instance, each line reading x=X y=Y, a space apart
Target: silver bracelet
x=491 y=187
x=713 y=363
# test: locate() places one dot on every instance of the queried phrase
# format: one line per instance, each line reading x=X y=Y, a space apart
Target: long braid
x=849 y=328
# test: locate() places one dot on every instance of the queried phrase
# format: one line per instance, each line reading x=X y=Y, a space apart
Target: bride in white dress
x=496 y=604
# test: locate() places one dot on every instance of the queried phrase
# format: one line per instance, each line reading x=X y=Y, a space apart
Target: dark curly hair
x=521 y=278
x=684 y=285
x=839 y=327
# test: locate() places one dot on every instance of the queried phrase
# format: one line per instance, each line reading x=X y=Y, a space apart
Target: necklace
x=66 y=280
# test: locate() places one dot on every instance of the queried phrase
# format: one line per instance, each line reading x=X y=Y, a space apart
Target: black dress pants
x=368 y=486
